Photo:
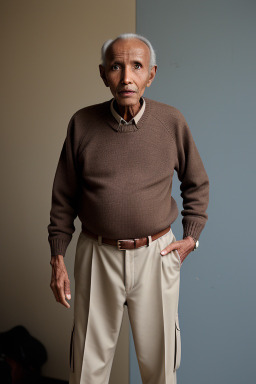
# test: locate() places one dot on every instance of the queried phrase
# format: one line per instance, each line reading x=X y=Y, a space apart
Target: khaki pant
x=105 y=278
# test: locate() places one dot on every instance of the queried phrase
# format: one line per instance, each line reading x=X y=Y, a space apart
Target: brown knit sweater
x=118 y=179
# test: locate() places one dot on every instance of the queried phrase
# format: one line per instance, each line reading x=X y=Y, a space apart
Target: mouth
x=127 y=92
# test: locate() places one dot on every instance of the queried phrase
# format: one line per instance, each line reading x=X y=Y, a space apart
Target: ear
x=103 y=75
x=152 y=75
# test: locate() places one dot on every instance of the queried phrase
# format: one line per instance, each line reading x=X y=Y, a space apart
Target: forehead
x=128 y=49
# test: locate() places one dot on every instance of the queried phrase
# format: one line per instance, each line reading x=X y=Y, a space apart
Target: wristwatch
x=196 y=244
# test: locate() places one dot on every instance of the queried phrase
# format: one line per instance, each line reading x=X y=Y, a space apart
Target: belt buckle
x=119 y=245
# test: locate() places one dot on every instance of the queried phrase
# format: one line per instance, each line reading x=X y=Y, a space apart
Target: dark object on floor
x=21 y=357
x=5 y=372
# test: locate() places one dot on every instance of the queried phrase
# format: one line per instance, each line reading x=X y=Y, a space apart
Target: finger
x=61 y=294
x=54 y=290
x=170 y=248
x=53 y=287
x=67 y=289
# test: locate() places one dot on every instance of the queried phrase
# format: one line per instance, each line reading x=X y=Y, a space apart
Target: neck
x=128 y=112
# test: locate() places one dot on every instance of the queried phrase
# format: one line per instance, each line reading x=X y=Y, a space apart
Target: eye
x=137 y=65
x=115 y=67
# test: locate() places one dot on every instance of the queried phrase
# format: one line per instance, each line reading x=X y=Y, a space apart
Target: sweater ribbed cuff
x=192 y=228
x=58 y=246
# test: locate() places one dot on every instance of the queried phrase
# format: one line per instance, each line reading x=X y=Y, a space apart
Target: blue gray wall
x=206 y=55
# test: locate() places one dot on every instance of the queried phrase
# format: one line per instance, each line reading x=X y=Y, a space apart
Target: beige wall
x=50 y=53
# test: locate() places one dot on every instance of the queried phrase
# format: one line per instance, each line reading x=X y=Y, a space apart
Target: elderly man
x=115 y=173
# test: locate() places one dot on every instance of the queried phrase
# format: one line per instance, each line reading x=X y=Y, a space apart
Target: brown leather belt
x=129 y=243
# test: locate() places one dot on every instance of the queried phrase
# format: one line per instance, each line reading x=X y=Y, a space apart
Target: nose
x=126 y=76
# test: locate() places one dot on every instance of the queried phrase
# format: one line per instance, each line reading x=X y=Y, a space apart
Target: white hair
x=124 y=36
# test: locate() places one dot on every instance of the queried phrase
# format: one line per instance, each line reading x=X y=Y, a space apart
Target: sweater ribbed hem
x=58 y=246
x=192 y=228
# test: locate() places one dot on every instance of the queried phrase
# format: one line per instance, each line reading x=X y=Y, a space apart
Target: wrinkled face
x=127 y=71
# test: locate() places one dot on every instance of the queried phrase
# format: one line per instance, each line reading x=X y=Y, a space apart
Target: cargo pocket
x=177 y=354
x=71 y=350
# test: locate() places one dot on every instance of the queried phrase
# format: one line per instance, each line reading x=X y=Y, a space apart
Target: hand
x=60 y=283
x=184 y=247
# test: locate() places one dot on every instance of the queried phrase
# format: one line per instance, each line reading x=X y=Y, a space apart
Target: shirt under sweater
x=118 y=178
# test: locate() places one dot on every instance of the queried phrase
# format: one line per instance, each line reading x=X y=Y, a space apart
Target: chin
x=127 y=101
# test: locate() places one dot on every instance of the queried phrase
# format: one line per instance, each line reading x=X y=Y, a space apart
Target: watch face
x=197 y=244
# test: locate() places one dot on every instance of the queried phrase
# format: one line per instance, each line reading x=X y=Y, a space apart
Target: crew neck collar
x=134 y=120
x=134 y=124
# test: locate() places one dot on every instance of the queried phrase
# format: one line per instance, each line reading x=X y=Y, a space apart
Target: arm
x=65 y=196
x=194 y=190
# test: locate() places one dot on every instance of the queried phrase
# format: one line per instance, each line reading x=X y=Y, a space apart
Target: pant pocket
x=177 y=354
x=71 y=350
x=178 y=256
